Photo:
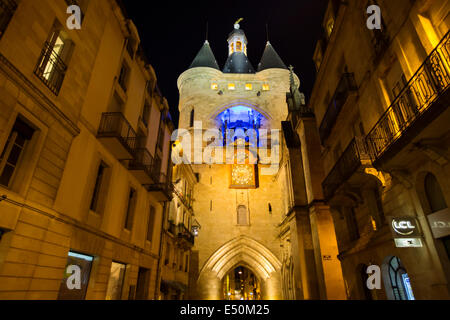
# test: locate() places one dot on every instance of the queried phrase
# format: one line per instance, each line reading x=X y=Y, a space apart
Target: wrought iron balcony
x=183 y=199
x=346 y=86
x=185 y=234
x=352 y=159
x=116 y=133
x=161 y=187
x=7 y=9
x=51 y=69
x=418 y=97
x=141 y=166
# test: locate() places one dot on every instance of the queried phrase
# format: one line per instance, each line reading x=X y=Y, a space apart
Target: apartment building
x=179 y=234
x=85 y=174
x=381 y=100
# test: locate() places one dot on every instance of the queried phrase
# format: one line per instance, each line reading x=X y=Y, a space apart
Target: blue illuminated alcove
x=237 y=121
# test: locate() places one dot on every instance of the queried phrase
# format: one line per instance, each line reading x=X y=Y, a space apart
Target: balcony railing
x=346 y=166
x=346 y=85
x=114 y=125
x=142 y=164
x=7 y=9
x=425 y=87
x=162 y=187
x=183 y=199
x=51 y=69
x=184 y=233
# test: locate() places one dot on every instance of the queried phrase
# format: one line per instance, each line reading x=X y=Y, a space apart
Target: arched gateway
x=241 y=251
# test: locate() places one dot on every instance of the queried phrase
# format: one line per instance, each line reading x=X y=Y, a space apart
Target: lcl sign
x=405 y=231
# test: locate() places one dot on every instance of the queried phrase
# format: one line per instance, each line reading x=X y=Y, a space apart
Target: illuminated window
x=232 y=47
x=231 y=86
x=214 y=86
x=265 y=87
x=248 y=87
x=238 y=46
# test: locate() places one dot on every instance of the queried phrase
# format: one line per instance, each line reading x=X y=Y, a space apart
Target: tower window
x=242 y=216
x=248 y=87
x=192 y=117
x=231 y=86
x=214 y=86
x=265 y=87
x=238 y=46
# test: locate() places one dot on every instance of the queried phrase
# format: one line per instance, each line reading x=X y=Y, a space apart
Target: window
x=191 y=120
x=146 y=114
x=214 y=86
x=249 y=87
x=13 y=150
x=167 y=256
x=265 y=87
x=123 y=76
x=242 y=216
x=115 y=282
x=84 y=263
x=52 y=65
x=151 y=223
x=7 y=9
x=143 y=284
x=231 y=86
x=238 y=46
x=161 y=132
x=131 y=206
x=396 y=280
x=99 y=189
x=434 y=194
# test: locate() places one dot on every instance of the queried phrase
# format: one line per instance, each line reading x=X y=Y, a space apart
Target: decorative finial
x=236 y=24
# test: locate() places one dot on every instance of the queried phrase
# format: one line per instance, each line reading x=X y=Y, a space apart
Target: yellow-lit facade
x=385 y=151
x=84 y=138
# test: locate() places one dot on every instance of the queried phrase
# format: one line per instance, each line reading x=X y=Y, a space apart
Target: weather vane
x=236 y=24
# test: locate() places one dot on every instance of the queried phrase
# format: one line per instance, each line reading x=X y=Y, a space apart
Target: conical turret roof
x=205 y=58
x=270 y=59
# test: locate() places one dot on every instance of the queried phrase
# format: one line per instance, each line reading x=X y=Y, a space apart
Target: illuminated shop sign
x=408 y=243
x=406 y=232
x=440 y=223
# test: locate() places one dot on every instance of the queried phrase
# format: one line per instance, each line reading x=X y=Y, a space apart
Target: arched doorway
x=241 y=284
x=245 y=252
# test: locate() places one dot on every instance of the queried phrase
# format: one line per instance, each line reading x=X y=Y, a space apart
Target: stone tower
x=238 y=207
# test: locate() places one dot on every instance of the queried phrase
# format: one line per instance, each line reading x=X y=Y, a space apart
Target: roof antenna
x=207 y=27
x=267 y=32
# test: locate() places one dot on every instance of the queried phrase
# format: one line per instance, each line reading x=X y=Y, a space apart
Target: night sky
x=172 y=32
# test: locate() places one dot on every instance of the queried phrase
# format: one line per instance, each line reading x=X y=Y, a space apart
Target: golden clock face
x=242 y=174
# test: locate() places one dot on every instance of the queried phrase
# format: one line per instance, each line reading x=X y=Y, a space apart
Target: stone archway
x=240 y=251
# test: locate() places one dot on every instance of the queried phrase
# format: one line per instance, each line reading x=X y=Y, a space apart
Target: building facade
x=256 y=238
x=85 y=155
x=178 y=237
x=381 y=99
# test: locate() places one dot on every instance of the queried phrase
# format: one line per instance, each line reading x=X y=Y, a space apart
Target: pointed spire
x=270 y=59
x=205 y=58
